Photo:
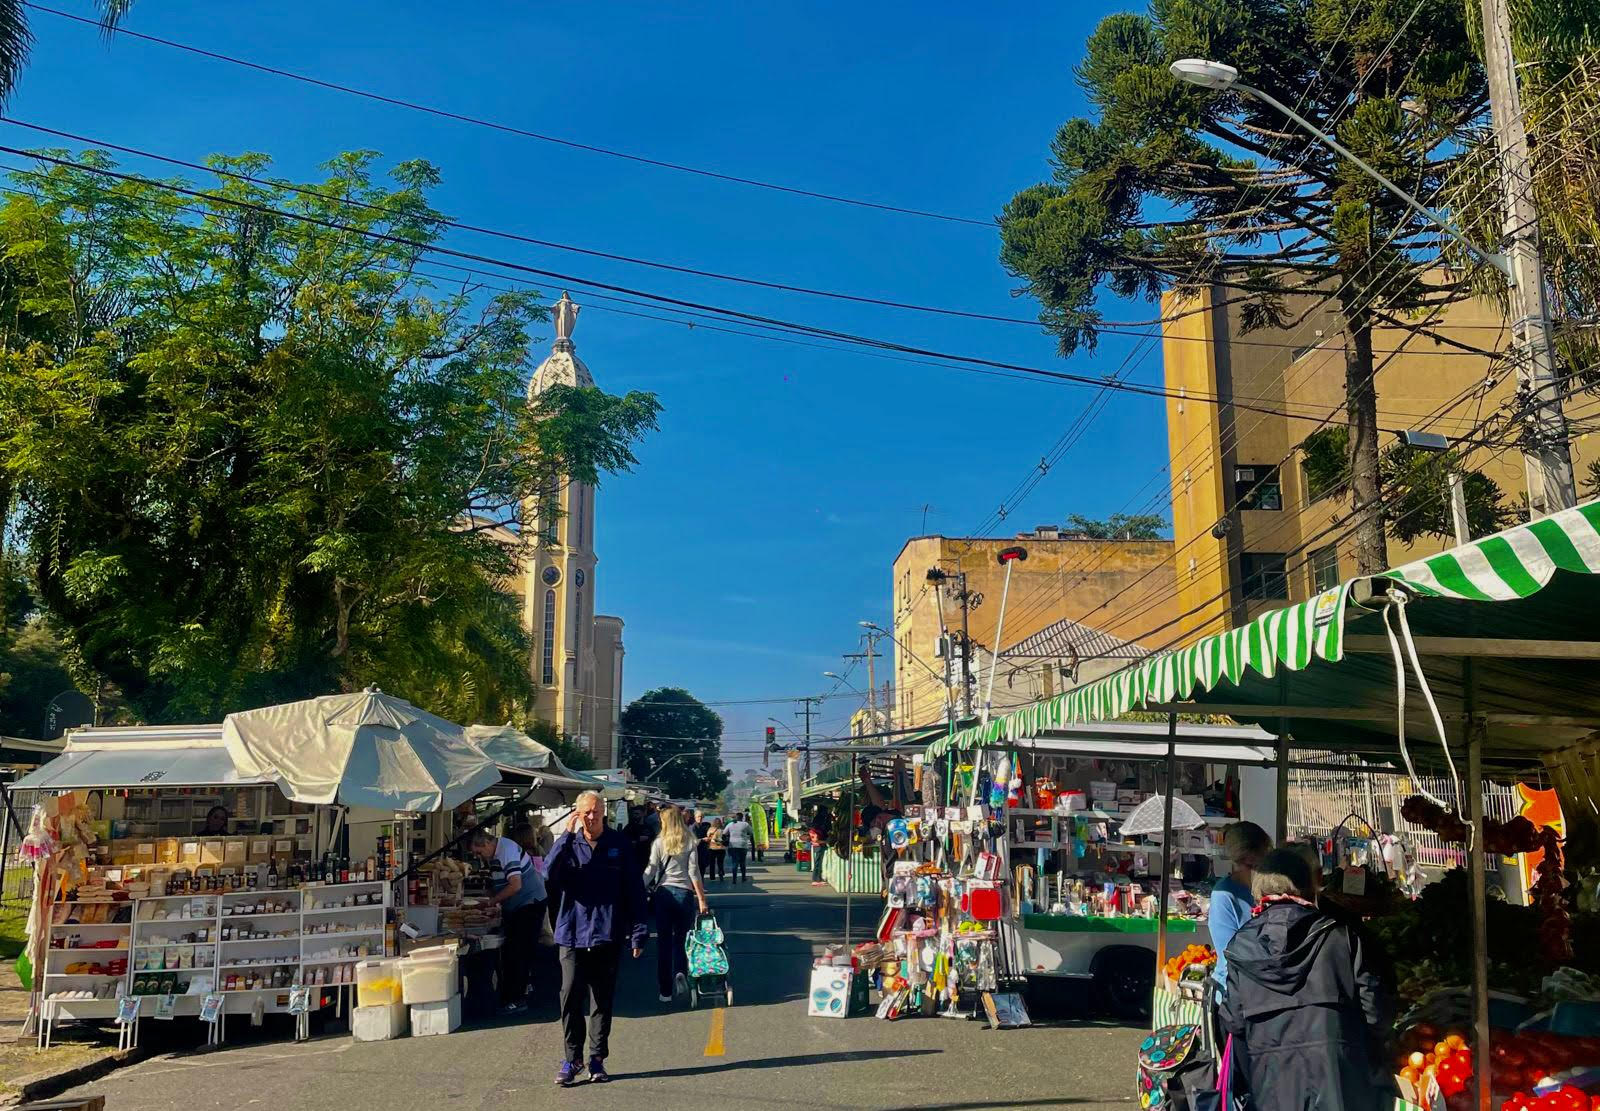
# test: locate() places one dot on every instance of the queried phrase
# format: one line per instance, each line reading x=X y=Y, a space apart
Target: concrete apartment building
x=1078 y=609
x=1238 y=552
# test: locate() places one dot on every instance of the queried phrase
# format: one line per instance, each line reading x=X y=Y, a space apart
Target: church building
x=577 y=656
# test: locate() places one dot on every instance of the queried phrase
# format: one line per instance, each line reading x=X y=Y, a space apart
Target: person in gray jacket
x=673 y=873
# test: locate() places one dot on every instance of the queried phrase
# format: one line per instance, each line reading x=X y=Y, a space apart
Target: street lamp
x=841 y=679
x=1221 y=77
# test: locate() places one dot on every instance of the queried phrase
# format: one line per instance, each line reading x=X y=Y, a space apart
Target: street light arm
x=1498 y=261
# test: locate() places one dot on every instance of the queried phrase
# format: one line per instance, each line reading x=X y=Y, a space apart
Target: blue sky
x=761 y=523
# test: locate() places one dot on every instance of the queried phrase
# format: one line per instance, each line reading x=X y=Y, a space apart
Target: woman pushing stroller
x=673 y=873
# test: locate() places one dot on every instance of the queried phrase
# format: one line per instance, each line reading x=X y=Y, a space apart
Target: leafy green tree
x=670 y=738
x=565 y=748
x=1120 y=526
x=1418 y=482
x=257 y=457
x=1173 y=188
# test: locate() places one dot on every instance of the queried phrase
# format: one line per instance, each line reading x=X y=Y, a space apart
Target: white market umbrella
x=1147 y=818
x=509 y=746
x=367 y=749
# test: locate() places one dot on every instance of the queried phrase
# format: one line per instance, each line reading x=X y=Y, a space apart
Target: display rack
x=308 y=942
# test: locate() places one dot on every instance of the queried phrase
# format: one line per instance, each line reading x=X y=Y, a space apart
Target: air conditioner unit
x=1244 y=474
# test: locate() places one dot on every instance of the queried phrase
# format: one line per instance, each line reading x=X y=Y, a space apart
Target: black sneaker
x=567 y=1075
x=597 y=1071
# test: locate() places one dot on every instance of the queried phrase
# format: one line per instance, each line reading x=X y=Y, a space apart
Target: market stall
x=245 y=868
x=1512 y=658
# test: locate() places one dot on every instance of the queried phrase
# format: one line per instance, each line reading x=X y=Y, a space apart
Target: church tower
x=574 y=692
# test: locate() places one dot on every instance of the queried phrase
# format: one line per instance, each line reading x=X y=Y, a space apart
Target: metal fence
x=1322 y=799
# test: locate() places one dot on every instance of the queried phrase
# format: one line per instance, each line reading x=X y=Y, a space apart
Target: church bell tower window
x=549 y=668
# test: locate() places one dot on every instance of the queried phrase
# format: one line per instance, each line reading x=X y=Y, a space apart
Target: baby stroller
x=708 y=961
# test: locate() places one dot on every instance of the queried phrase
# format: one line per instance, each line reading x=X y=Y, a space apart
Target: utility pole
x=805 y=712
x=966 y=643
x=1546 y=456
x=969 y=602
x=872 y=634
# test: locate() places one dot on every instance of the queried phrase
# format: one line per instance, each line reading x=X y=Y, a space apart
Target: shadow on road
x=778 y=1063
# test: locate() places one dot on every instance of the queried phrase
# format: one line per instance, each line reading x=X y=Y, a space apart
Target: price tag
x=127 y=1009
x=1355 y=881
x=211 y=1006
x=299 y=1000
x=165 y=1005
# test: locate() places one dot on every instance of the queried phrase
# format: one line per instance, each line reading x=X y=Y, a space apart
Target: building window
x=1324 y=568
x=577 y=620
x=1257 y=487
x=577 y=496
x=548 y=671
x=1265 y=578
x=550 y=509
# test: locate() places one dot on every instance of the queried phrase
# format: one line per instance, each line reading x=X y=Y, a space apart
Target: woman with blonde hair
x=674 y=876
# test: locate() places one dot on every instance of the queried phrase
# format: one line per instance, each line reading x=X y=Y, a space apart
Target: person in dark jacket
x=1304 y=1003
x=597 y=886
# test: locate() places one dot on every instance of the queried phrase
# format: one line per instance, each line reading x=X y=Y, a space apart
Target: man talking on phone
x=596 y=884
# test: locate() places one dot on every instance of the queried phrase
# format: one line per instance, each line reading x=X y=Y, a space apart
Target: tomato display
x=1517 y=1064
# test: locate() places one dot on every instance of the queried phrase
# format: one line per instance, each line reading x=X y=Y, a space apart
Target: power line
x=509 y=129
x=966 y=361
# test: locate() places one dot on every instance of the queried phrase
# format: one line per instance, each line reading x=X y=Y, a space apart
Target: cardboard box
x=234 y=850
x=260 y=850
x=428 y=1019
x=283 y=848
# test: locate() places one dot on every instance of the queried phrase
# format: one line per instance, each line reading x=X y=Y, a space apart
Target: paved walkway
x=764 y=1049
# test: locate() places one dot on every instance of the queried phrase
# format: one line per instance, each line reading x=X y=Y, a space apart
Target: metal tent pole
x=849 y=854
x=1480 y=910
x=1166 y=841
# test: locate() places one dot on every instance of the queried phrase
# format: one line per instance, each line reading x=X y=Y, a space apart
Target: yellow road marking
x=719 y=1018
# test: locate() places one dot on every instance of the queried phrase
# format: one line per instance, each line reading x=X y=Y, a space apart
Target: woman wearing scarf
x=1304 y=1002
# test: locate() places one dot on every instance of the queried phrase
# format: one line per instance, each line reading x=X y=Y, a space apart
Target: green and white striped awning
x=1283 y=658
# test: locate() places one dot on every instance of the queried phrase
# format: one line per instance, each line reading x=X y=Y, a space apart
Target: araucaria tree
x=257 y=456
x=1170 y=187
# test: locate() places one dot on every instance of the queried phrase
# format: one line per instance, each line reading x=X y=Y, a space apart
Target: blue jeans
x=675 y=911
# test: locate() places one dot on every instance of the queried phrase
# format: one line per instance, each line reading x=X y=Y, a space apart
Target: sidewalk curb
x=46 y=1087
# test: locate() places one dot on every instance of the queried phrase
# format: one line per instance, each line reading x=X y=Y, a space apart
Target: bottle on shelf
x=272 y=875
x=344 y=869
x=252 y=878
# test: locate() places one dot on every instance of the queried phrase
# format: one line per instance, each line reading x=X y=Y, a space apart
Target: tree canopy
x=1169 y=187
x=1120 y=526
x=257 y=456
x=670 y=738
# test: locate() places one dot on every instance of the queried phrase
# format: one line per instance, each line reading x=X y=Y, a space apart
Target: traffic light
x=770 y=746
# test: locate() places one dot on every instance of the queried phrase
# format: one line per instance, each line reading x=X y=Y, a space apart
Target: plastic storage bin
x=378 y=983
x=429 y=975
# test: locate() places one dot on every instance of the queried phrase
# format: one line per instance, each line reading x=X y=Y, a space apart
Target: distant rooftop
x=1068 y=636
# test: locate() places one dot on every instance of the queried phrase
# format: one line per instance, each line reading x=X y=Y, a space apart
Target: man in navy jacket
x=596 y=884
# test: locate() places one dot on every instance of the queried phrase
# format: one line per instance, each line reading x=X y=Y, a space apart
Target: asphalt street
x=663 y=1057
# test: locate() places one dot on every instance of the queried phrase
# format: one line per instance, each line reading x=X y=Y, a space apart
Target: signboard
x=211 y=1006
x=127 y=1009
x=165 y=1005
x=299 y=1000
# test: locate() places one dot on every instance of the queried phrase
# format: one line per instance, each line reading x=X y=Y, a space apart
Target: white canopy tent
x=367 y=749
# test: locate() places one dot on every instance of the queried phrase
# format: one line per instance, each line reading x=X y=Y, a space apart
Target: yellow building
x=1249 y=531
x=1078 y=609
